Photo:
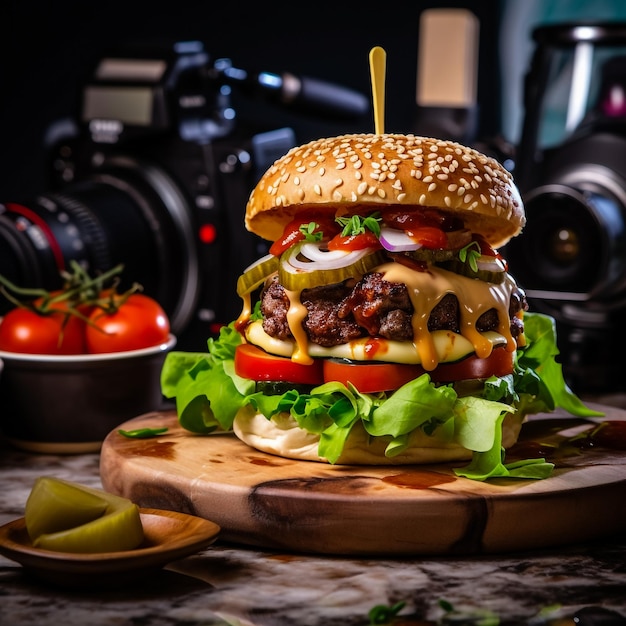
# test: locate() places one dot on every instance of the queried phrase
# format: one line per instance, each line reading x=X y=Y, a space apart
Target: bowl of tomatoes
x=78 y=365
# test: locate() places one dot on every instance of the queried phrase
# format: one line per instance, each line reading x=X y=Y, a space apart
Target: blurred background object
x=52 y=134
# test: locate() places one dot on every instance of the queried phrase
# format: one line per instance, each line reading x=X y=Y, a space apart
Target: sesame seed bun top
x=364 y=172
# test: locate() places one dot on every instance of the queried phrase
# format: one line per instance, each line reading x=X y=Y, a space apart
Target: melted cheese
x=449 y=347
x=475 y=297
x=426 y=289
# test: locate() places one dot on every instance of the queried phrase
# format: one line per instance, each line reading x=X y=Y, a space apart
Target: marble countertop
x=233 y=585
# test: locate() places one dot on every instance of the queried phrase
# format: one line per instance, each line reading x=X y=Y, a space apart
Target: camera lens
x=574 y=244
x=128 y=213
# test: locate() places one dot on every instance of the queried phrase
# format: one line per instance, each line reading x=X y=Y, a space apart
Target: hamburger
x=383 y=327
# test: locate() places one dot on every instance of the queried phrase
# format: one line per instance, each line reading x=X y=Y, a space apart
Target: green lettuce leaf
x=209 y=394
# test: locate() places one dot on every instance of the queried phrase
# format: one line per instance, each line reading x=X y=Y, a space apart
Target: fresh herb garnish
x=308 y=230
x=357 y=225
x=383 y=614
x=142 y=433
x=470 y=255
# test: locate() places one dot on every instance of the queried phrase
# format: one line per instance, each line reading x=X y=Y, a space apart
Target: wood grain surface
x=301 y=506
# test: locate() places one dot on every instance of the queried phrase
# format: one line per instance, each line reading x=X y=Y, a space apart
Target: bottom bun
x=283 y=437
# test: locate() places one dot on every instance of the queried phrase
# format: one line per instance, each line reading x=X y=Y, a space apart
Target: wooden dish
x=262 y=500
x=169 y=536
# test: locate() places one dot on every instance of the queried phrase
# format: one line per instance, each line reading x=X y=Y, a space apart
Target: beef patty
x=373 y=306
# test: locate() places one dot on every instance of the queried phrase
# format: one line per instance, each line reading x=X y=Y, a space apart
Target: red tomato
x=23 y=330
x=370 y=377
x=354 y=242
x=498 y=363
x=139 y=322
x=256 y=364
x=292 y=234
x=487 y=250
x=430 y=237
x=374 y=377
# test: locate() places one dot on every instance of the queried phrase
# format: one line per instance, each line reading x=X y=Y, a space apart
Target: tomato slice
x=498 y=363
x=355 y=242
x=376 y=377
x=370 y=377
x=255 y=364
x=430 y=237
x=292 y=234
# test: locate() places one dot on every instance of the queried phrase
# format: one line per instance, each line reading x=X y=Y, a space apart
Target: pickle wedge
x=67 y=517
x=54 y=505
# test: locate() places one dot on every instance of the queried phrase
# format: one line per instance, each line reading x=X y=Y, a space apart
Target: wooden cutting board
x=265 y=501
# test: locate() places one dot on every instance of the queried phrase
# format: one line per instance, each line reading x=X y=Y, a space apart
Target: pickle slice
x=112 y=525
x=427 y=255
x=256 y=273
x=295 y=279
x=459 y=267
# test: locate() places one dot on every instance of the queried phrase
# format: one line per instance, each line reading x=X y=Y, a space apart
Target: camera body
x=571 y=170
x=156 y=174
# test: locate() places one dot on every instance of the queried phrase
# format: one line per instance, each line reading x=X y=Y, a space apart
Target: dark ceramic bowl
x=68 y=404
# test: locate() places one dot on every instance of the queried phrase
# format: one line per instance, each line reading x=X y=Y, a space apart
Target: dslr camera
x=571 y=170
x=155 y=174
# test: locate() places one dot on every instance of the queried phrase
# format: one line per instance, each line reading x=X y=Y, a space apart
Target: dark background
x=48 y=49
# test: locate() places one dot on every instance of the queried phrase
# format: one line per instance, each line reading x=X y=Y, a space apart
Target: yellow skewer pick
x=378 y=63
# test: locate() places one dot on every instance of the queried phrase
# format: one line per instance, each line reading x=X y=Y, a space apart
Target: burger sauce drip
x=475 y=297
x=244 y=316
x=295 y=318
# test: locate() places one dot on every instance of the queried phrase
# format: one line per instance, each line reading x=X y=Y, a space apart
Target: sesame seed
x=423 y=199
x=362 y=188
x=337 y=195
x=382 y=193
x=401 y=197
x=447 y=200
x=317 y=189
x=371 y=190
x=432 y=186
x=428 y=179
x=468 y=198
x=296 y=180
